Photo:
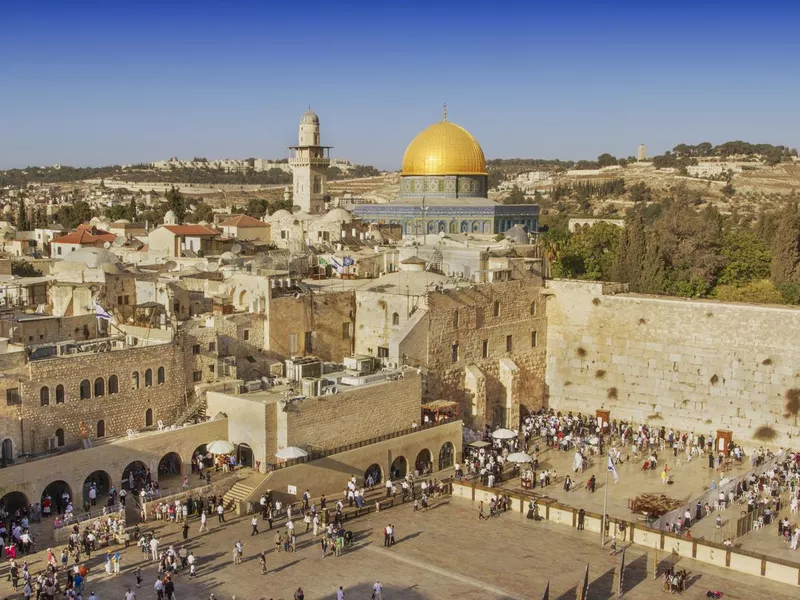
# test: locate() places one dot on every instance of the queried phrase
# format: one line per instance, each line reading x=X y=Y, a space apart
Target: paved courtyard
x=445 y=554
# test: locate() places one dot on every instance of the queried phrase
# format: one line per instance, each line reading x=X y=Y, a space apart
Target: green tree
x=22 y=268
x=785 y=264
x=22 y=216
x=176 y=202
x=747 y=258
x=133 y=209
x=515 y=196
x=762 y=291
x=202 y=212
x=589 y=253
x=606 y=160
x=72 y=216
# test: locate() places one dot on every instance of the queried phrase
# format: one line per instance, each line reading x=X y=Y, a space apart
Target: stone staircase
x=243 y=490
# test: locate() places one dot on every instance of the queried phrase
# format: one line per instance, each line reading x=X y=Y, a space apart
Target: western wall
x=687 y=364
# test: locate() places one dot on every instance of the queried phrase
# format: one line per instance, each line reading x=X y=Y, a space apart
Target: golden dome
x=444 y=148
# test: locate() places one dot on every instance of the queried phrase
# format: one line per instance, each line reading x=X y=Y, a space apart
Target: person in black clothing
x=581 y=518
x=169 y=589
x=185 y=530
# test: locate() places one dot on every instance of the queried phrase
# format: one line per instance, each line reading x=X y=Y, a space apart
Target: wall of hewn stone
x=121 y=411
x=47 y=330
x=321 y=314
x=689 y=364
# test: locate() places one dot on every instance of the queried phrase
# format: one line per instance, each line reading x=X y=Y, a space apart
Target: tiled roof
x=243 y=221
x=84 y=238
x=191 y=230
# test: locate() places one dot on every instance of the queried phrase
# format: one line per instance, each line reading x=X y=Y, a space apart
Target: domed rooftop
x=444 y=148
x=92 y=257
x=280 y=214
x=310 y=117
x=517 y=235
x=338 y=214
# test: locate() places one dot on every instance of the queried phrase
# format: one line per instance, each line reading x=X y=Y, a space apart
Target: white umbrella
x=519 y=457
x=220 y=447
x=504 y=434
x=479 y=444
x=291 y=452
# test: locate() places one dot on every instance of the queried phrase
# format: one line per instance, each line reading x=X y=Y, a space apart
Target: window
x=533 y=308
x=197 y=376
x=101 y=428
x=283 y=234
x=44 y=396
x=454 y=353
x=383 y=352
x=161 y=375
x=13 y=397
x=113 y=385
x=60 y=437
x=509 y=343
x=59 y=250
x=148 y=417
x=496 y=308
x=148 y=378
x=211 y=368
x=126 y=300
x=119 y=299
x=99 y=387
x=533 y=339
x=455 y=319
x=246 y=335
x=485 y=349
x=135 y=379
x=196 y=349
x=59 y=394
x=345 y=331
x=293 y=344
x=86 y=389
x=212 y=346
x=308 y=339
x=395 y=319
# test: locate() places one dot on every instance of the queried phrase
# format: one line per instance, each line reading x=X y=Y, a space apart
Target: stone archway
x=374 y=471
x=135 y=475
x=245 y=455
x=59 y=494
x=200 y=452
x=424 y=462
x=399 y=467
x=447 y=454
x=101 y=481
x=14 y=501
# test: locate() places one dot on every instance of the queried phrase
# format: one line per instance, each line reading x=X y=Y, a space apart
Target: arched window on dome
x=464 y=226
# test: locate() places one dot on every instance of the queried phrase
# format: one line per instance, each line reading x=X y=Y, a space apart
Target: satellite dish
x=107 y=245
x=296 y=208
x=119 y=241
x=236 y=248
x=170 y=265
x=442 y=234
x=212 y=267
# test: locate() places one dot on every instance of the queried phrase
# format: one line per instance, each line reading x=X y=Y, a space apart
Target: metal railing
x=317 y=454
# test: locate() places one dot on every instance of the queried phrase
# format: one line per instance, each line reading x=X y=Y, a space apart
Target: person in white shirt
x=340 y=593
x=130 y=595
x=377 y=591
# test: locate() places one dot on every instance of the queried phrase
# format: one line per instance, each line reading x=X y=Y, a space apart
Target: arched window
x=148 y=417
x=395 y=319
x=44 y=395
x=86 y=389
x=101 y=428
x=59 y=394
x=162 y=375
x=113 y=385
x=135 y=379
x=496 y=309
x=60 y=437
x=533 y=308
x=455 y=319
x=148 y=378
x=99 y=387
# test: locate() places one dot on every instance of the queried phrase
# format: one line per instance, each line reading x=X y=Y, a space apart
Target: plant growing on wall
x=612 y=393
x=792 y=403
x=765 y=433
x=600 y=373
x=581 y=352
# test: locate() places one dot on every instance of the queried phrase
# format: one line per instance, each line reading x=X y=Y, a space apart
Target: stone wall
x=33 y=476
x=119 y=412
x=49 y=329
x=689 y=364
x=521 y=312
x=328 y=475
x=323 y=315
x=356 y=414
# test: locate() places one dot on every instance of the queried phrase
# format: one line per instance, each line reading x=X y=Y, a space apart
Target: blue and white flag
x=102 y=313
x=348 y=262
x=613 y=469
x=339 y=268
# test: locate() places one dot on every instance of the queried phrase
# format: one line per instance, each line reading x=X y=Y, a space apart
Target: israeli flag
x=348 y=262
x=613 y=469
x=102 y=313
x=339 y=268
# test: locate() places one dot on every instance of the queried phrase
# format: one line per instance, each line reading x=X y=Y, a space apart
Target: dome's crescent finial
x=444 y=106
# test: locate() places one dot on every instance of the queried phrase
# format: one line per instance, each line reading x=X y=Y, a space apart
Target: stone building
x=310 y=166
x=95 y=388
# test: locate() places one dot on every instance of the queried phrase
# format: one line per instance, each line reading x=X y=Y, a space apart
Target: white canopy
x=504 y=434
x=220 y=447
x=519 y=457
x=291 y=452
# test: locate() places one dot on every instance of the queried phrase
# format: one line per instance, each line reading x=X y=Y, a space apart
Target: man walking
x=154 y=548
x=254 y=523
x=377 y=591
x=220 y=513
x=203 y=525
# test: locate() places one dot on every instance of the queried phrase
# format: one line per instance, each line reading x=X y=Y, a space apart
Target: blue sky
x=90 y=83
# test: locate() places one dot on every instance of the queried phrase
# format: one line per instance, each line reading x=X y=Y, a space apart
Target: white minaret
x=309 y=163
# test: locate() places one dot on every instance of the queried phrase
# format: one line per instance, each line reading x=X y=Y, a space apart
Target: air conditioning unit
x=311 y=386
x=52 y=443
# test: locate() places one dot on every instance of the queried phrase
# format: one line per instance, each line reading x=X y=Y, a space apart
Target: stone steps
x=242 y=490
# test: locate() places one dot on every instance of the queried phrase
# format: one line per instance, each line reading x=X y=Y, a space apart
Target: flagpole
x=605 y=502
